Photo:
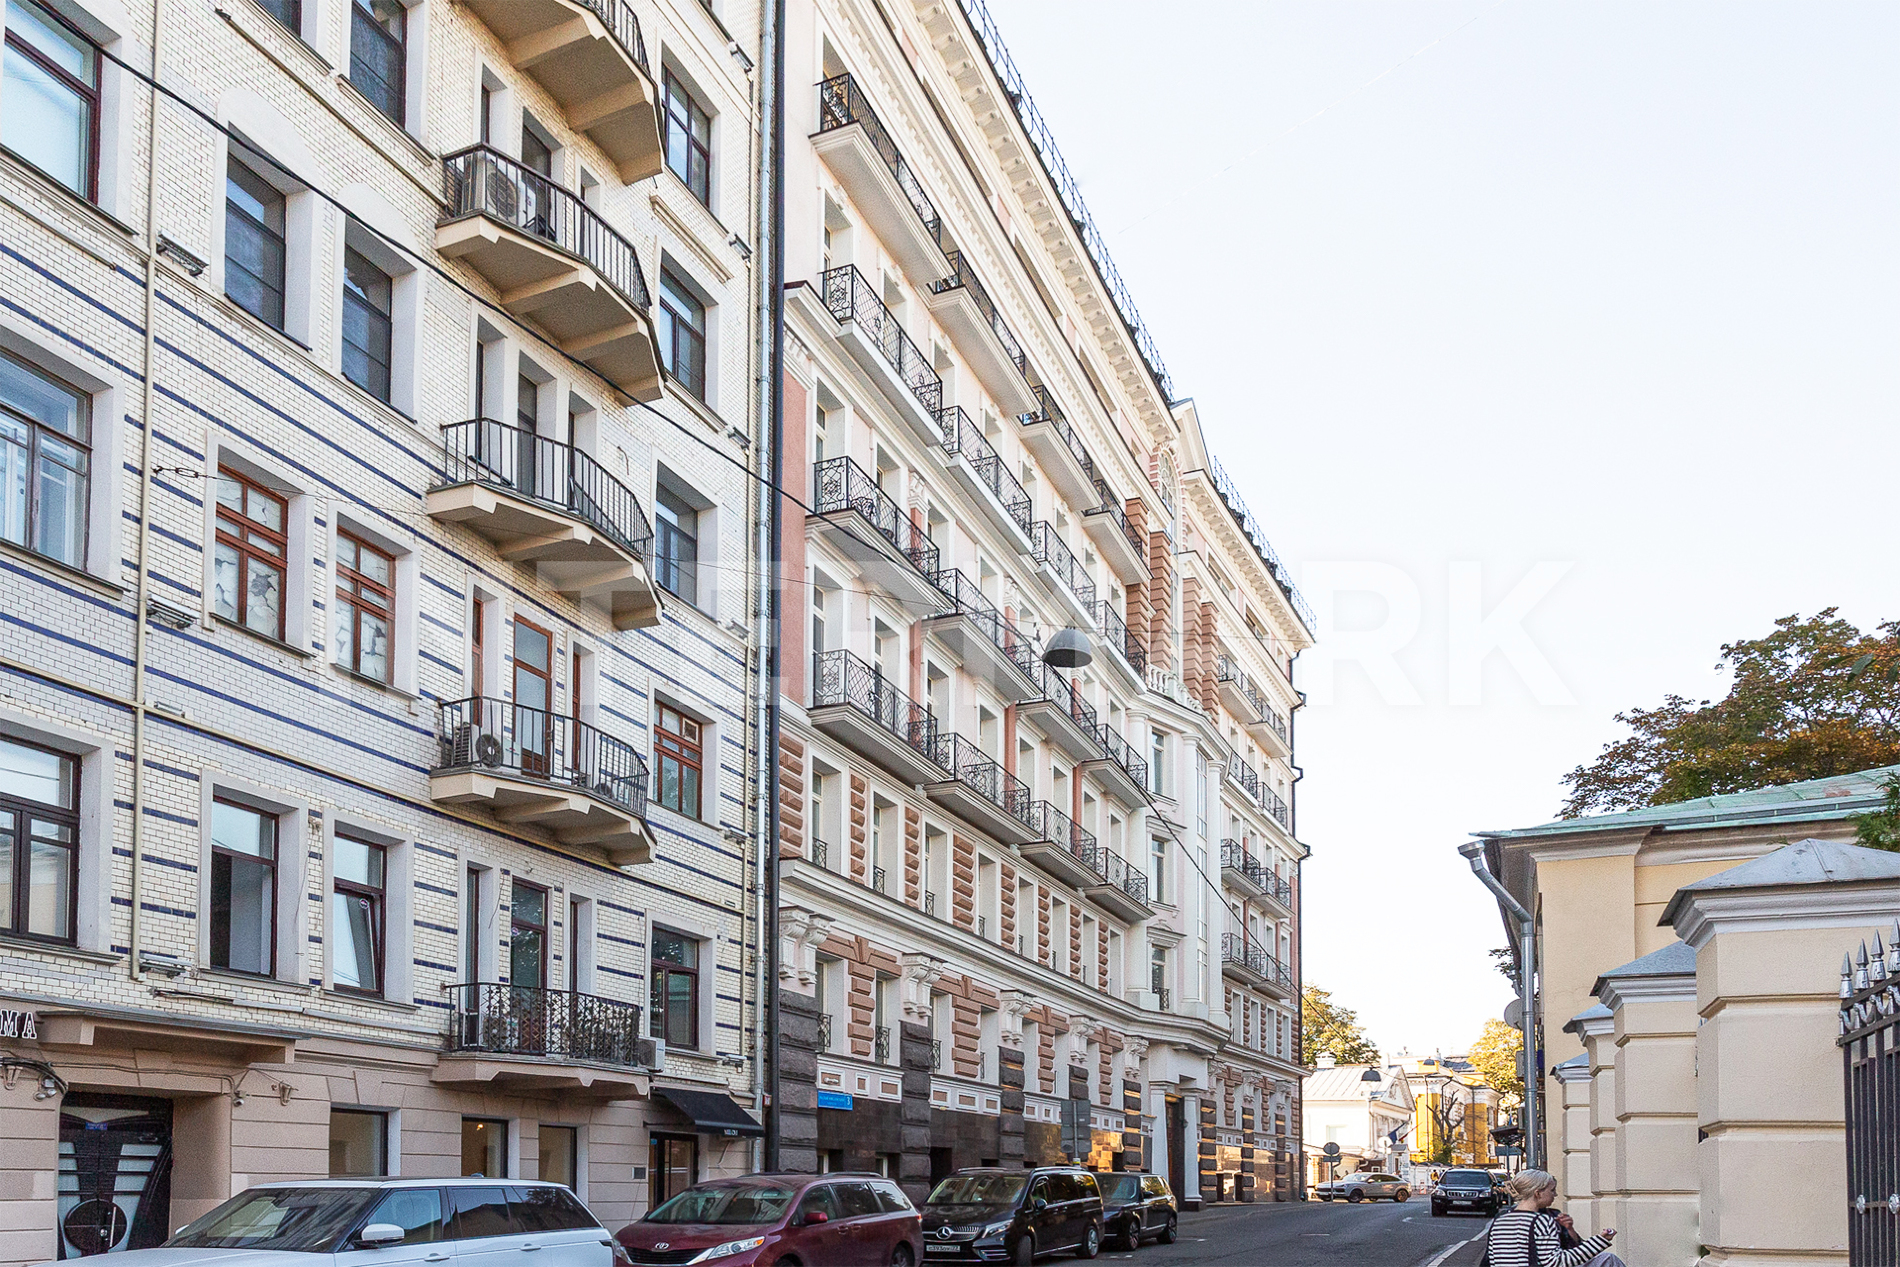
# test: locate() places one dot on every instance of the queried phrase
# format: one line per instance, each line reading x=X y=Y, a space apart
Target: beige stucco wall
x=1573 y=1164
x=1655 y=1107
x=1605 y=1178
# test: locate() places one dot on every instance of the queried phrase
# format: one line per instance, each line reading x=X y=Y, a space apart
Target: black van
x=989 y=1214
x=1136 y=1207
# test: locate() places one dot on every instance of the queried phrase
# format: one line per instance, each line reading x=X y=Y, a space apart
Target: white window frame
x=399 y=868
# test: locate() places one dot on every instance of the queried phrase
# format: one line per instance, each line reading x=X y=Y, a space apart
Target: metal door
x=115 y=1160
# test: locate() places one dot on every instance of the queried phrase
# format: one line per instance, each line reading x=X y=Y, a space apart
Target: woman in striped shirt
x=1526 y=1236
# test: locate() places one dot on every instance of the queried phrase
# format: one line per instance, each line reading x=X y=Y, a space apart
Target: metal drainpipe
x=770 y=360
x=1532 y=1142
x=147 y=394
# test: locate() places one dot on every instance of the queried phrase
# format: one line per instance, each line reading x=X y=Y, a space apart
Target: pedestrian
x=1528 y=1235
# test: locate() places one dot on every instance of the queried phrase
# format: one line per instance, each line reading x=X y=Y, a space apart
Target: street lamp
x=1068 y=649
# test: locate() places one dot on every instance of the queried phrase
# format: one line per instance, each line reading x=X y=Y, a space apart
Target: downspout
x=143 y=590
x=771 y=363
x=1527 y=982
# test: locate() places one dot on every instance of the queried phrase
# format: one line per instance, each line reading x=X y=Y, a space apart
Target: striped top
x=1508 y=1244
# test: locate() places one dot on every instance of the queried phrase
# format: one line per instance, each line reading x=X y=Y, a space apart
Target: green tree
x=1880 y=829
x=1328 y=1028
x=1494 y=1056
x=1815 y=698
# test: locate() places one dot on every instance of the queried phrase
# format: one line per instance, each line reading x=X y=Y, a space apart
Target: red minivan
x=835 y=1220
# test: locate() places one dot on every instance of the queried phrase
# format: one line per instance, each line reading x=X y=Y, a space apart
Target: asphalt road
x=1316 y=1233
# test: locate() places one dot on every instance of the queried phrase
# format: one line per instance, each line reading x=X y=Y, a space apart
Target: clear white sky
x=1609 y=285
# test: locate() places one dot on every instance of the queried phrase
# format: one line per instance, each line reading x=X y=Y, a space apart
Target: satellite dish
x=1514 y=1013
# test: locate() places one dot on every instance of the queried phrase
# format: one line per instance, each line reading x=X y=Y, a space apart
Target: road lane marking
x=1452 y=1250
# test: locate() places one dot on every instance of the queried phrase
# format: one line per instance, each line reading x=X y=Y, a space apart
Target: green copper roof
x=1814 y=799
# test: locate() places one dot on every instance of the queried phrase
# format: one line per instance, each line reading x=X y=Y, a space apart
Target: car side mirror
x=1038 y=1203
x=380 y=1234
x=813 y=1217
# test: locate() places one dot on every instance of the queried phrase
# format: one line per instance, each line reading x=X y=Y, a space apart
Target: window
x=680 y=757
x=527 y=935
x=688 y=139
x=417 y=1211
x=248 y=566
x=39 y=841
x=365 y=606
x=549 y=1209
x=472 y=925
x=675 y=989
x=368 y=302
x=682 y=334
x=254 y=250
x=287 y=12
x=676 y=545
x=45 y=463
x=484 y=1153
x=243 y=889
x=560 y=1154
x=1157 y=745
x=672 y=1167
x=49 y=104
x=1158 y=885
x=379 y=35
x=356 y=915
x=359 y=1143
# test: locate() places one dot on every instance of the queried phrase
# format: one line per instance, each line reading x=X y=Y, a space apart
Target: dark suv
x=988 y=1214
x=1467 y=1192
x=1137 y=1207
x=771 y=1220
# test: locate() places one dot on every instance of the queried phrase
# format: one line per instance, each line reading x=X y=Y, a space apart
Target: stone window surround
x=292 y=871
x=97 y=754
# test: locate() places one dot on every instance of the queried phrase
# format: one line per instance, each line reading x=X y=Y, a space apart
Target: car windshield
x=1467 y=1178
x=727 y=1203
x=978 y=1190
x=1119 y=1187
x=295 y=1220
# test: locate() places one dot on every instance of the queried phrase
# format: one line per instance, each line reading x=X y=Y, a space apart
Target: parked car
x=988 y=1214
x=1367 y=1185
x=851 y=1220
x=360 y=1222
x=1466 y=1192
x=1137 y=1207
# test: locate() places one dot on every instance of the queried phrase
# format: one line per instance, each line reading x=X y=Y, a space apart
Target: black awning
x=713 y=1112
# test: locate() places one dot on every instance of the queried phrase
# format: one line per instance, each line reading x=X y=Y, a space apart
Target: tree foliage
x=1880 y=829
x=1815 y=698
x=1443 y=1110
x=1494 y=1056
x=1327 y=1028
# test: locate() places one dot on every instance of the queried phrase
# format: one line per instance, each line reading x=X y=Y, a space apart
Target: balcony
x=864 y=524
x=551 y=505
x=1272 y=732
x=531 y=767
x=1063 y=570
x=854 y=703
x=1278 y=891
x=1127 y=653
x=1236 y=692
x=1254 y=965
x=980 y=790
x=989 y=645
x=1239 y=871
x=1062 y=848
x=986 y=476
x=1116 y=540
x=1276 y=808
x=1125 y=892
x=1124 y=775
x=588 y=56
x=966 y=310
x=852 y=141
x=883 y=349
x=520 y=1039
x=1050 y=437
x=554 y=261
x=1055 y=707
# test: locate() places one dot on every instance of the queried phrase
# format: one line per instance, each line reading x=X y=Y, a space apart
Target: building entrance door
x=115 y=1163
x=1177 y=1147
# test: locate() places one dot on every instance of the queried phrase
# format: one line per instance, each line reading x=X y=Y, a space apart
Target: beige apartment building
x=1029 y=914
x=373 y=747
x=1688 y=961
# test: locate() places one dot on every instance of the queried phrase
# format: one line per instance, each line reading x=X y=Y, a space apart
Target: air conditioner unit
x=650 y=1053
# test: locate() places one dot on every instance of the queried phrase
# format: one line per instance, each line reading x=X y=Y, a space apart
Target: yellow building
x=1451 y=1099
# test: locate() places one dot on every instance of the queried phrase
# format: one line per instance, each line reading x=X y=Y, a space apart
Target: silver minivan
x=471 y=1222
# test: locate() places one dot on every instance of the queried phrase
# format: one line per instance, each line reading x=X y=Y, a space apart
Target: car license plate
x=942 y=1249
x=1461 y=1201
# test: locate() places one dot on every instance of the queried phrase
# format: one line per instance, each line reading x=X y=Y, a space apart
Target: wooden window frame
x=547 y=897
x=356 y=596
x=281 y=236
x=276 y=878
x=662 y=971
x=694 y=124
x=363 y=20
x=248 y=553
x=35 y=430
x=380 y=323
x=685 y=314
x=683 y=746
x=91 y=93
x=23 y=812
x=379 y=915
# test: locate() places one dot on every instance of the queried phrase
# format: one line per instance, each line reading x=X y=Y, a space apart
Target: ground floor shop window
x=359 y=1143
x=673 y=1165
x=485 y=1147
x=560 y=1154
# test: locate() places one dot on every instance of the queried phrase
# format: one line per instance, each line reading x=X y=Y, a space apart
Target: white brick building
x=403 y=675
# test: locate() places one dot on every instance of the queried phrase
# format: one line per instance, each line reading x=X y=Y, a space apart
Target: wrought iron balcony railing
x=1228 y=670
x=970 y=601
x=842 y=103
x=482 y=451
x=1129 y=880
x=970 y=766
x=963 y=278
x=1237 y=949
x=930 y=905
x=1116 y=509
x=936 y=1054
x=618 y=17
x=500 y=736
x=1050 y=551
x=1229 y=493
x=1280 y=887
x=519 y=1020
x=962 y=437
x=840 y=677
x=1051 y=685
x=1234 y=857
x=824 y=1032
x=1277 y=720
x=849 y=296
x=1133 y=764
x=482 y=181
x=878 y=879
x=1058 y=828
x=820 y=852
x=881 y=1045
x=1048 y=411
x=1120 y=636
x=1276 y=807
x=1244 y=775
x=840 y=484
